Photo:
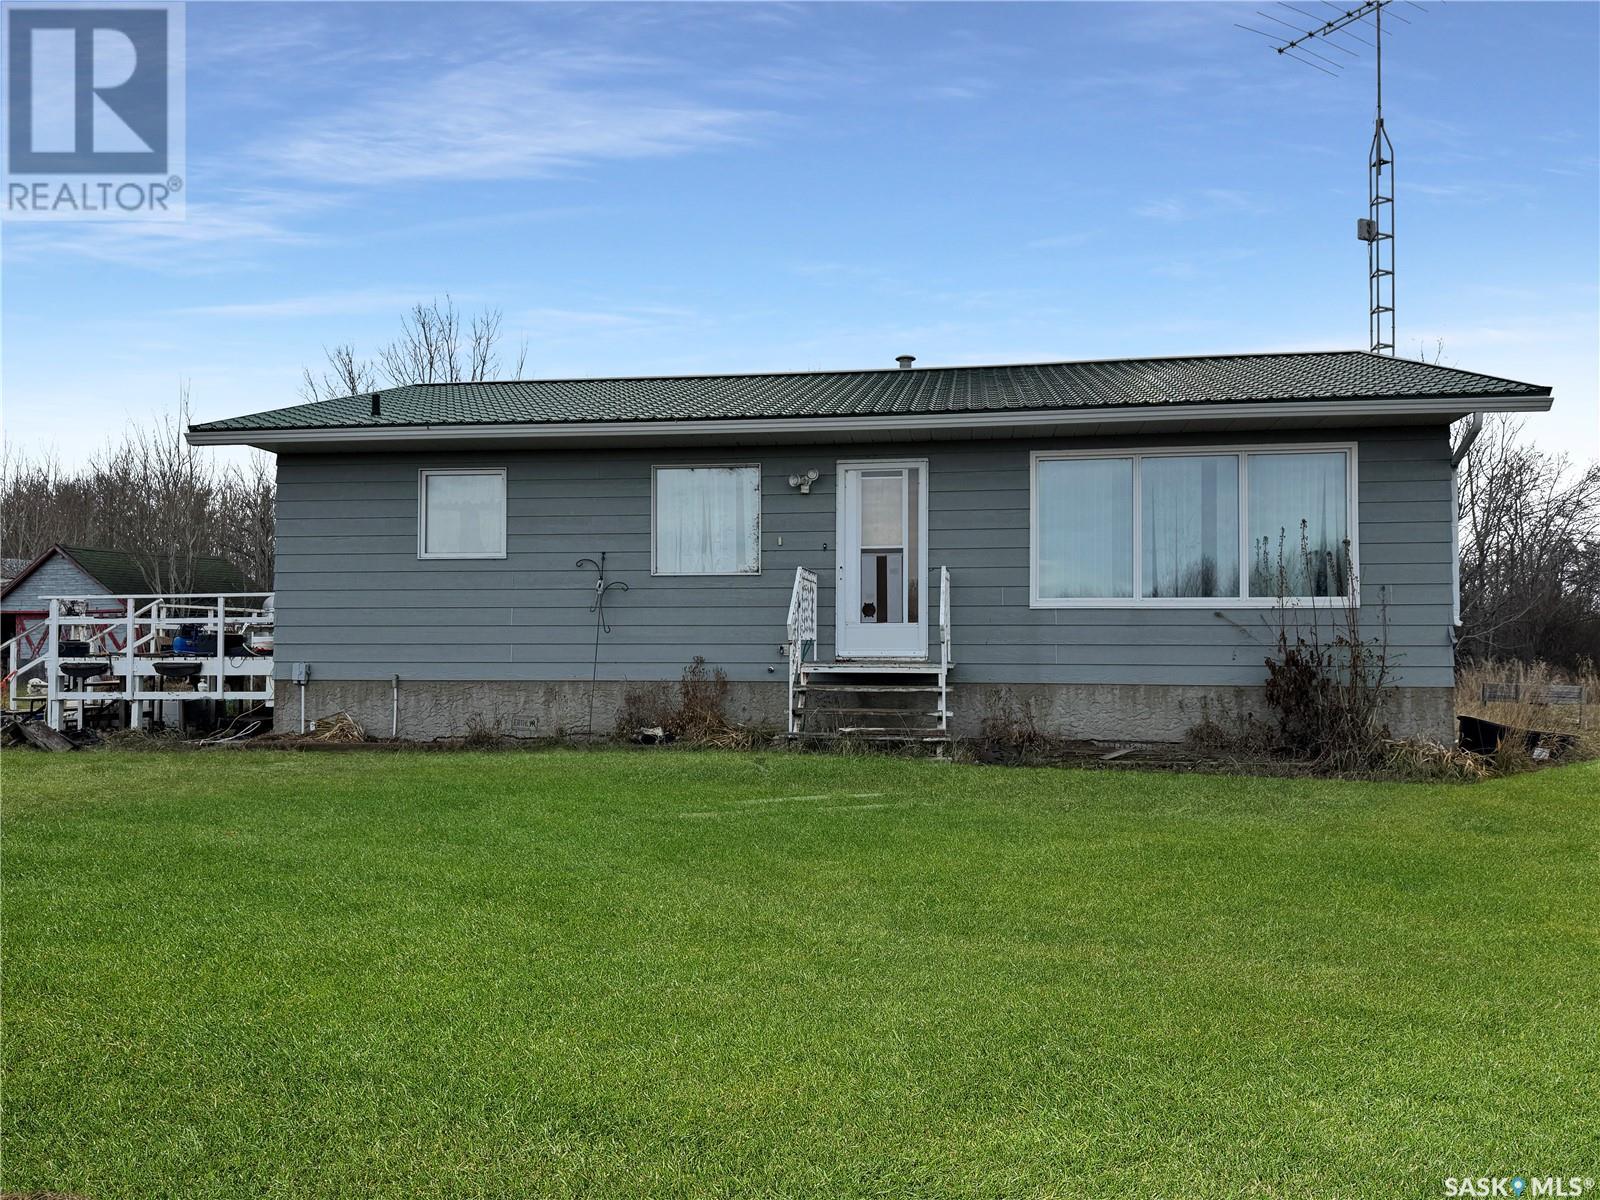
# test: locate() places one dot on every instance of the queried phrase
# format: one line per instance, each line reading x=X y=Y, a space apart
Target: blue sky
x=677 y=188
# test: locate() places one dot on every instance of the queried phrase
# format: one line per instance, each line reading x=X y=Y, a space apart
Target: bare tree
x=428 y=349
x=432 y=347
x=150 y=494
x=1530 y=551
x=482 y=362
x=250 y=494
x=343 y=375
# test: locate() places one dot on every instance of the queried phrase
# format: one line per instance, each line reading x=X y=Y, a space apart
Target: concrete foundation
x=431 y=709
x=1166 y=712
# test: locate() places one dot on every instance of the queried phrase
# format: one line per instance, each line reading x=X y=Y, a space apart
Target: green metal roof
x=1118 y=383
x=118 y=571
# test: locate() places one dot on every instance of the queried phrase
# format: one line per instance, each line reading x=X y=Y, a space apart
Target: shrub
x=647 y=707
x=1326 y=680
x=697 y=714
x=1011 y=729
x=702 y=698
x=483 y=734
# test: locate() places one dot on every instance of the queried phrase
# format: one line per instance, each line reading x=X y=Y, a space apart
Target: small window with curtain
x=461 y=514
x=707 y=521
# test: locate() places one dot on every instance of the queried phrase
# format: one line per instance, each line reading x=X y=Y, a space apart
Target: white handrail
x=802 y=630
x=944 y=617
x=210 y=597
x=803 y=606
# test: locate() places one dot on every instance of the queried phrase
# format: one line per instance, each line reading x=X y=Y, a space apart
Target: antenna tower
x=1376 y=229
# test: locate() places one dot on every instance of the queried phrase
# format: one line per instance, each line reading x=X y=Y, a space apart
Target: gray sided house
x=1109 y=543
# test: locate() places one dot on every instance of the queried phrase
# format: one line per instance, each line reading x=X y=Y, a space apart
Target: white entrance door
x=881 y=608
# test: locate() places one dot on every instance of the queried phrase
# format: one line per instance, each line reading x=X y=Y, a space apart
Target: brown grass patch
x=1524 y=715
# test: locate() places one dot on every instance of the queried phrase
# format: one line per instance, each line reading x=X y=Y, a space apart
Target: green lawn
x=688 y=974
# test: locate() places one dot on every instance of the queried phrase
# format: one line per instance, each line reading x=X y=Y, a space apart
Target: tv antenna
x=1376 y=229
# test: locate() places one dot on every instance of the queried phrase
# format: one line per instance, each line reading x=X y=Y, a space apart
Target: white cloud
x=1065 y=241
x=499 y=120
x=210 y=237
x=622 y=318
x=323 y=304
x=1206 y=202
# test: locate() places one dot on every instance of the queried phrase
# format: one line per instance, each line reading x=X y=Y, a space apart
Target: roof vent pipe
x=905 y=360
x=376 y=404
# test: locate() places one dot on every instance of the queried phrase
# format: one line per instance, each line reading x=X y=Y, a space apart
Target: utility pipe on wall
x=1457 y=457
x=394 y=716
x=300 y=673
x=1468 y=436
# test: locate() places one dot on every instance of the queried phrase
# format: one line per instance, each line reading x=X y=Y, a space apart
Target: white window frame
x=1243 y=451
x=656 y=468
x=422 y=510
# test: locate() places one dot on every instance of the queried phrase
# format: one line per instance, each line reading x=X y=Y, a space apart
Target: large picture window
x=1175 y=529
x=707 y=521
x=461 y=514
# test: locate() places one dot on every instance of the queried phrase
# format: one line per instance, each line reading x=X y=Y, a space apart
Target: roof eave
x=1287 y=412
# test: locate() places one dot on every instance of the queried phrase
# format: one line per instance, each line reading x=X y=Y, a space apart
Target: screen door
x=882 y=572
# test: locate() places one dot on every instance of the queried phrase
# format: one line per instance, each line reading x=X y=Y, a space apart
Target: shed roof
x=119 y=573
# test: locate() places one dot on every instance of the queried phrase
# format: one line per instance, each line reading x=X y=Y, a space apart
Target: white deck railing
x=131 y=634
x=22 y=671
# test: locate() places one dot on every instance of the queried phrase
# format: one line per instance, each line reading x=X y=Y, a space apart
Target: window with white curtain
x=1190 y=526
x=461 y=514
x=1085 y=528
x=707 y=521
x=1174 y=529
x=1299 y=525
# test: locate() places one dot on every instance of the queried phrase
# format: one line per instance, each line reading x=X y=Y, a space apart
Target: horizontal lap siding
x=355 y=602
x=56 y=576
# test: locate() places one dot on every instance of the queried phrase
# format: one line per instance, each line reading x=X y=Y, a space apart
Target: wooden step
x=870 y=712
x=921 y=739
x=897 y=729
x=871 y=687
x=888 y=666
